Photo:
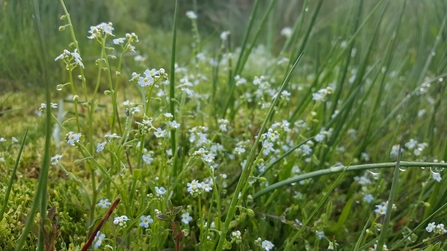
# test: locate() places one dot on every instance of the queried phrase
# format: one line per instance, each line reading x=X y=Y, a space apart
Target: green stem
x=389 y=209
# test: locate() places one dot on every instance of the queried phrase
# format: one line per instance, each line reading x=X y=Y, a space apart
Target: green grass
x=263 y=139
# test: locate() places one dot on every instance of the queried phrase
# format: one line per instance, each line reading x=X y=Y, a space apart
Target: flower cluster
x=199 y=136
x=129 y=38
x=239 y=80
x=120 y=220
x=195 y=187
x=71 y=59
x=236 y=236
x=306 y=149
x=437 y=229
x=322 y=94
x=131 y=108
x=381 y=209
x=102 y=29
x=223 y=123
x=149 y=77
x=55 y=159
x=145 y=126
x=268 y=139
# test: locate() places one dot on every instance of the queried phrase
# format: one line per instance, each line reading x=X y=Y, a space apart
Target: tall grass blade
x=172 y=89
x=40 y=198
x=11 y=180
x=389 y=209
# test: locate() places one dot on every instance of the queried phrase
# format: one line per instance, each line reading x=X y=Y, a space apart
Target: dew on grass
x=402 y=168
x=374 y=172
x=436 y=169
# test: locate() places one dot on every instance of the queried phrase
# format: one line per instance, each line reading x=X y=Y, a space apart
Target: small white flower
x=112 y=136
x=194 y=187
x=320 y=234
x=306 y=150
x=159 y=133
x=120 y=40
x=147 y=158
x=73 y=137
x=239 y=150
x=368 y=198
x=121 y=220
x=207 y=187
x=436 y=176
x=55 y=159
x=186 y=218
x=191 y=15
x=98 y=240
x=224 y=35
x=430 y=227
x=174 y=124
x=268 y=147
x=287 y=32
x=160 y=191
x=267 y=245
x=208 y=157
x=146 y=221
x=104 y=203
x=380 y=209
x=319 y=137
x=77 y=58
x=146 y=81
x=100 y=146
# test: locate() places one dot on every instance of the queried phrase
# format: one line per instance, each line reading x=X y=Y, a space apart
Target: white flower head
x=73 y=138
x=224 y=35
x=160 y=191
x=186 y=218
x=287 y=32
x=191 y=15
x=55 y=159
x=267 y=245
x=104 y=203
x=146 y=221
x=98 y=240
x=159 y=133
x=147 y=158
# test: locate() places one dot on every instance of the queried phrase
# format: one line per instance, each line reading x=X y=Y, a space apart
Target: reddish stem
x=104 y=219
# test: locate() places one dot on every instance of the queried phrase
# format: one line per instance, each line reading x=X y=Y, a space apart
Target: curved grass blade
x=40 y=198
x=339 y=169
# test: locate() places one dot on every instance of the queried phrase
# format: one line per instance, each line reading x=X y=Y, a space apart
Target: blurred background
x=152 y=21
